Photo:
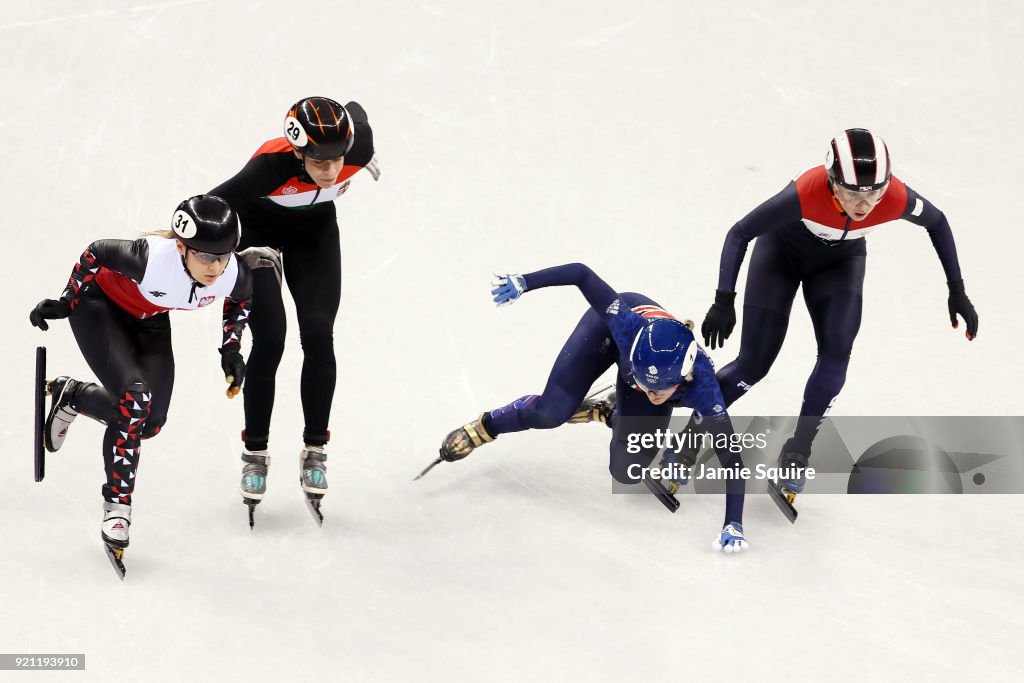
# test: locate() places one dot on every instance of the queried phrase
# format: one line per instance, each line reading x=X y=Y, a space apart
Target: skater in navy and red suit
x=285 y=197
x=117 y=301
x=660 y=366
x=812 y=234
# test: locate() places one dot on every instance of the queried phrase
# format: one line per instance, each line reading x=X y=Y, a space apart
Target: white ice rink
x=511 y=136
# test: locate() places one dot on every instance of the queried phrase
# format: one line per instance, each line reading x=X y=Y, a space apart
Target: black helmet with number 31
x=206 y=223
x=858 y=160
x=319 y=128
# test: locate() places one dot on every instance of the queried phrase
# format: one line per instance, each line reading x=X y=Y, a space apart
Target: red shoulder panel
x=817 y=203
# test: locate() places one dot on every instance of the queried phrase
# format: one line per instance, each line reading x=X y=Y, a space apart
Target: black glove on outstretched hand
x=960 y=304
x=233 y=365
x=49 y=309
x=720 y=320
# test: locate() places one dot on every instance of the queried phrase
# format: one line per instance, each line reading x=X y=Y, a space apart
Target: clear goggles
x=208 y=259
x=854 y=197
x=638 y=380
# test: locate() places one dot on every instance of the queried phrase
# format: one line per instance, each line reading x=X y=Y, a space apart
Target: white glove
x=263 y=257
x=373 y=166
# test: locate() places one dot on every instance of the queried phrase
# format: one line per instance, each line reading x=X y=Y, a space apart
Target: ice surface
x=512 y=136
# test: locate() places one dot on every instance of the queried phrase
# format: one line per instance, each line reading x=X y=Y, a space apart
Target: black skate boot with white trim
x=62 y=413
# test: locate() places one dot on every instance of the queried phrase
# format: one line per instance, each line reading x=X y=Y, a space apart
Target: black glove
x=49 y=309
x=959 y=303
x=720 y=320
x=233 y=365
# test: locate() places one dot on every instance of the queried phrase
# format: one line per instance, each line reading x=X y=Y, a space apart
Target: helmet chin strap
x=195 y=282
x=835 y=198
x=303 y=174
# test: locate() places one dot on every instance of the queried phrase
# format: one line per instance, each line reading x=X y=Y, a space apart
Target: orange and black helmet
x=319 y=128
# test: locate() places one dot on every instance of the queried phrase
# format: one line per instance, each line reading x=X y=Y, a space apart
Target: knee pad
x=153 y=427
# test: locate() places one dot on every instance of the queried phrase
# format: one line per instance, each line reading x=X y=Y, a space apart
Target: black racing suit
x=280 y=206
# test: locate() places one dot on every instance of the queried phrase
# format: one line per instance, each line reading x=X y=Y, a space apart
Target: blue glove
x=732 y=539
x=507 y=288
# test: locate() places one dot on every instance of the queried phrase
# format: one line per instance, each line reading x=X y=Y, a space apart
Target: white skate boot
x=61 y=413
x=117 y=517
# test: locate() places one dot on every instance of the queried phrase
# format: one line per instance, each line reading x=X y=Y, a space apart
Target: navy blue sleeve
x=622 y=321
x=704 y=395
x=782 y=209
x=921 y=212
x=596 y=291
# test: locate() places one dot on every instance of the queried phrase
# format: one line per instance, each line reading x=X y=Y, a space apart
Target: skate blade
x=42 y=389
x=600 y=390
x=784 y=500
x=429 y=467
x=313 y=505
x=251 y=504
x=670 y=502
x=116 y=556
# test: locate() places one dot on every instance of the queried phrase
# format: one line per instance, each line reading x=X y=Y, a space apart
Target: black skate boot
x=62 y=414
x=793 y=472
x=791 y=479
x=597 y=407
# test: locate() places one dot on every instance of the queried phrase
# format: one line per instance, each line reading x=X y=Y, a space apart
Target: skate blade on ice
x=251 y=504
x=116 y=557
x=313 y=505
x=784 y=501
x=431 y=466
